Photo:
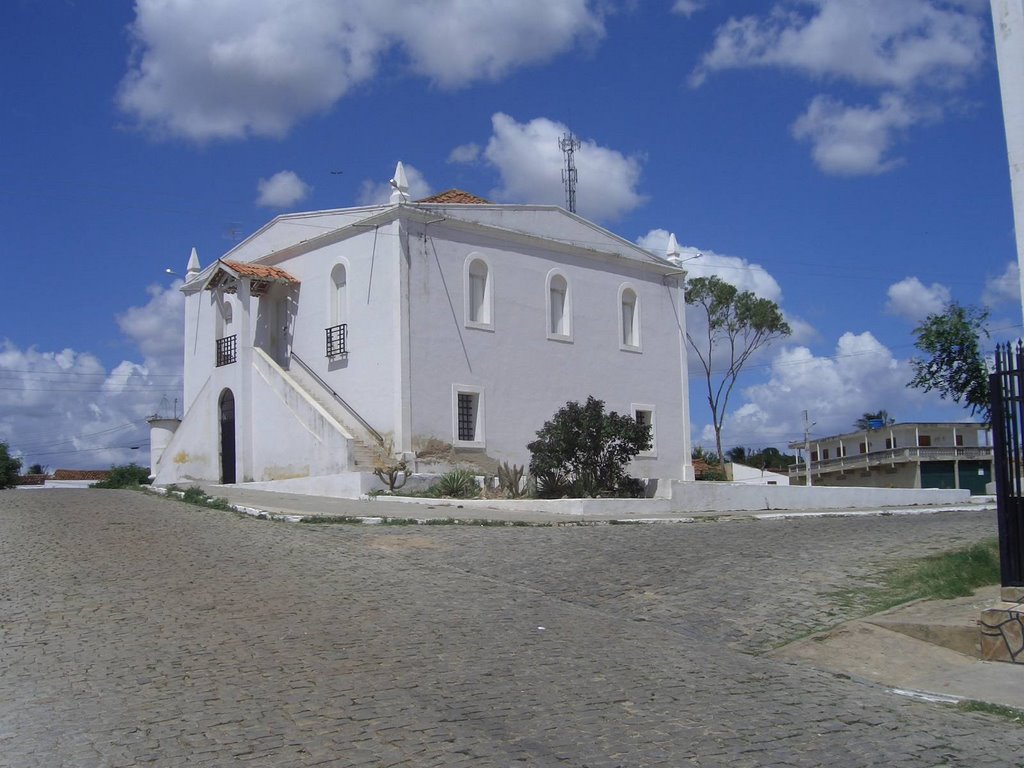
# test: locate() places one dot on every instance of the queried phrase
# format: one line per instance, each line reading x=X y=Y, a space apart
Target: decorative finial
x=193 y=265
x=672 y=252
x=399 y=185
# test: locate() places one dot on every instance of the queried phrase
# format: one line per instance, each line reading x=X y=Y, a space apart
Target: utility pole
x=569 y=144
x=807 y=445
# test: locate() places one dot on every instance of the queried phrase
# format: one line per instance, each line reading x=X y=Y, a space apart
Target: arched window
x=629 y=322
x=559 y=304
x=224 y=316
x=479 y=294
x=339 y=295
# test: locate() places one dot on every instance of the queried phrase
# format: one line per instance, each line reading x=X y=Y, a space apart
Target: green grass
x=1009 y=713
x=957 y=573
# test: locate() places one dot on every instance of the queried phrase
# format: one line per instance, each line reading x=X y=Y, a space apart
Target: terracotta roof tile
x=259 y=271
x=455 y=196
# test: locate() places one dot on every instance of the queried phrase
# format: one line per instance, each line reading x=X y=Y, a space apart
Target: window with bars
x=337 y=340
x=227 y=350
x=467 y=404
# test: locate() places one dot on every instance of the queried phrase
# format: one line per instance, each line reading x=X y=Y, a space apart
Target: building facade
x=449 y=326
x=910 y=455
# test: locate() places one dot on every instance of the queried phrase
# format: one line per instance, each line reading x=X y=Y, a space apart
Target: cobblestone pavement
x=136 y=630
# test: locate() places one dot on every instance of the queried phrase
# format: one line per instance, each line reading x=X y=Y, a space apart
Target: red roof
x=455 y=196
x=259 y=271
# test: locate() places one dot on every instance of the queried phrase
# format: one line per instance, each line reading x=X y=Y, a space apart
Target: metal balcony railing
x=227 y=350
x=894 y=456
x=337 y=340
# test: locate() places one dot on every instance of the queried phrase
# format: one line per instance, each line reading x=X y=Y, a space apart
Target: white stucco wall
x=522 y=375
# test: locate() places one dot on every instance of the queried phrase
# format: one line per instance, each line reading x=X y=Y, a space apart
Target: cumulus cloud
x=235 y=68
x=703 y=262
x=915 y=52
x=854 y=141
x=1003 y=289
x=64 y=409
x=862 y=375
x=529 y=162
x=870 y=42
x=379 y=193
x=282 y=190
x=914 y=301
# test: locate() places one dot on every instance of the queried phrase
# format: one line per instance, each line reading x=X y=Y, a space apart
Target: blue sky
x=845 y=158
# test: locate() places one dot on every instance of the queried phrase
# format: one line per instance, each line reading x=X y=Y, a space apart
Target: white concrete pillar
x=1008 y=24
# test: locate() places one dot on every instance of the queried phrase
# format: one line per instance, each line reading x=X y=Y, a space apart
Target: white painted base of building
x=675 y=496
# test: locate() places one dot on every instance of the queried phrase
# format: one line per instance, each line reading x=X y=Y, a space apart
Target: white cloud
x=379 y=193
x=862 y=375
x=235 y=68
x=854 y=141
x=530 y=162
x=687 y=7
x=917 y=53
x=465 y=153
x=870 y=42
x=914 y=301
x=64 y=409
x=1003 y=289
x=739 y=272
x=282 y=190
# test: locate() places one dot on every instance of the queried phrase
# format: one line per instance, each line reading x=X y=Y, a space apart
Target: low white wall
x=736 y=497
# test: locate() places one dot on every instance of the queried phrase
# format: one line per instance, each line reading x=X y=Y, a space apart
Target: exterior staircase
x=365 y=445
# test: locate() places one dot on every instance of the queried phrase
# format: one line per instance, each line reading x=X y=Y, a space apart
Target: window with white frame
x=339 y=295
x=479 y=294
x=629 y=319
x=559 y=304
x=644 y=414
x=467 y=416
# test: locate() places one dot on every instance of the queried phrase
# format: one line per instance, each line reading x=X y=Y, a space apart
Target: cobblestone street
x=136 y=630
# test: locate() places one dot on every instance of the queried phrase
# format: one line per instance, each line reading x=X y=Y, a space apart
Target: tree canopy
x=10 y=467
x=738 y=324
x=583 y=451
x=870 y=418
x=953 y=363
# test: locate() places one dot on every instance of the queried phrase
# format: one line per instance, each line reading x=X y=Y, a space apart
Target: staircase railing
x=341 y=401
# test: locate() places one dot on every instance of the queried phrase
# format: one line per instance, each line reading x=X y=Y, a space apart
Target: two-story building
x=448 y=325
x=909 y=455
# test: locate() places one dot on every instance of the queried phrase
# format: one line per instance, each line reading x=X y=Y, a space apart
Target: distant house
x=448 y=326
x=910 y=455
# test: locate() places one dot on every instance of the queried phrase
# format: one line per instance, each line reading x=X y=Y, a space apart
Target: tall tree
x=869 y=417
x=738 y=324
x=953 y=364
x=10 y=467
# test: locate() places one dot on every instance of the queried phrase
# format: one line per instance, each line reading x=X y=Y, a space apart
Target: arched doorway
x=227 y=437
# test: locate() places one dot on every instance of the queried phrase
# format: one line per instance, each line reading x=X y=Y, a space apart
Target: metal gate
x=1007 y=393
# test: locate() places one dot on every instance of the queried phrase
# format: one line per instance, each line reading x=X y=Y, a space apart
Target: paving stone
x=140 y=631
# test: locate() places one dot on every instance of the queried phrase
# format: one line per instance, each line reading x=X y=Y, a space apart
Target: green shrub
x=125 y=476
x=194 y=495
x=587 y=448
x=10 y=467
x=458 y=484
x=510 y=480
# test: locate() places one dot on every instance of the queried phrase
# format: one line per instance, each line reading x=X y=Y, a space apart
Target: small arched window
x=559 y=304
x=479 y=294
x=629 y=322
x=339 y=295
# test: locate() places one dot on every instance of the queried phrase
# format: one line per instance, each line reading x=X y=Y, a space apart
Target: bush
x=10 y=467
x=458 y=484
x=125 y=476
x=586 y=449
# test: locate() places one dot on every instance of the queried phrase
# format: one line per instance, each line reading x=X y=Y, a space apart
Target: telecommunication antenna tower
x=569 y=144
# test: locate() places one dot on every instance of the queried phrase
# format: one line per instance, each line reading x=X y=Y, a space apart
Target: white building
x=449 y=326
x=948 y=455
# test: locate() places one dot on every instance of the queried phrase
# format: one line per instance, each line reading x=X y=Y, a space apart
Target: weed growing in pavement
x=937 y=577
x=1009 y=713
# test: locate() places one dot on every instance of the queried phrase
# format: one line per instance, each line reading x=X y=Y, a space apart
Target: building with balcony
x=910 y=455
x=445 y=326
